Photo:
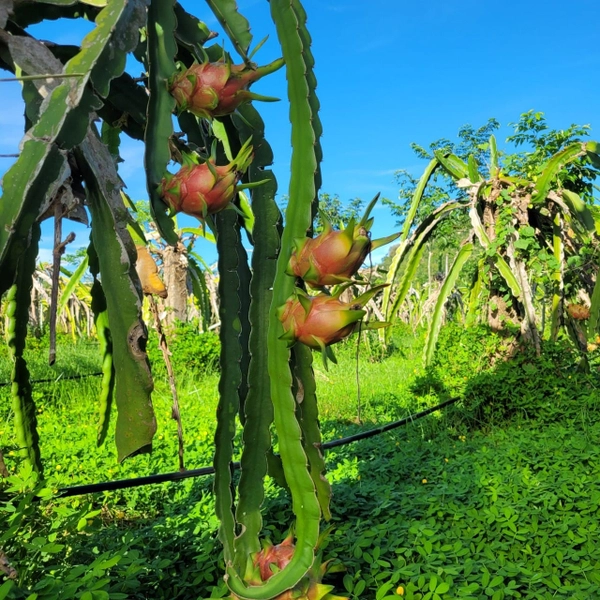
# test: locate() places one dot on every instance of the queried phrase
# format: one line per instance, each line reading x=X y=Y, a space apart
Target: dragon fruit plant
x=261 y=377
x=204 y=188
x=322 y=320
x=335 y=256
x=216 y=89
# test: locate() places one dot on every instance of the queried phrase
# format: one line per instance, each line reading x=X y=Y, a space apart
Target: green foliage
x=471 y=141
x=445 y=290
x=463 y=505
x=137 y=544
x=192 y=352
x=500 y=380
x=471 y=516
x=158 y=33
x=548 y=387
x=532 y=132
x=337 y=212
x=536 y=143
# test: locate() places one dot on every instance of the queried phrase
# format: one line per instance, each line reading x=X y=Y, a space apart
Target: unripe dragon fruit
x=201 y=189
x=272 y=559
x=321 y=320
x=318 y=321
x=335 y=256
x=217 y=89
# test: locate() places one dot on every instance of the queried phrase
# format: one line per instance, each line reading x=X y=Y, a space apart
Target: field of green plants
x=495 y=497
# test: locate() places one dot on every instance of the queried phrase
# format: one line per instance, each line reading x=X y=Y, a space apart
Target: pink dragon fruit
x=217 y=89
x=201 y=189
x=321 y=320
x=335 y=256
x=274 y=556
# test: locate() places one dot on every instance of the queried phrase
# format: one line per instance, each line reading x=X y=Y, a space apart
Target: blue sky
x=391 y=72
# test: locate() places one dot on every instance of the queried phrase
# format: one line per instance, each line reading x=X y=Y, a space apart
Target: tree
x=441 y=187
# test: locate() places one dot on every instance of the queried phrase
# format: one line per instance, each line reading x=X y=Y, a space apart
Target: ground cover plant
x=474 y=502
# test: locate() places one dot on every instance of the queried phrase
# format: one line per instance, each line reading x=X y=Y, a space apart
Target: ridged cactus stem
x=294 y=39
x=18 y=301
x=231 y=375
x=258 y=409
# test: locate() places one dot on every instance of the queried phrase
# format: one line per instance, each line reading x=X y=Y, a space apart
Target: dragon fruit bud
x=200 y=189
x=217 y=89
x=334 y=256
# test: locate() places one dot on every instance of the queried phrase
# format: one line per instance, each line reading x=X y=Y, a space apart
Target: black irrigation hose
x=372 y=432
x=56 y=379
x=120 y=484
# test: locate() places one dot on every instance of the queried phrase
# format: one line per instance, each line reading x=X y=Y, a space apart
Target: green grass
x=381 y=386
x=496 y=498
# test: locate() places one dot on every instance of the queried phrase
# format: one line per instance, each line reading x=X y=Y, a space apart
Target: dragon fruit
x=321 y=320
x=579 y=312
x=272 y=559
x=216 y=89
x=201 y=189
x=334 y=256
